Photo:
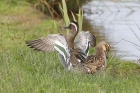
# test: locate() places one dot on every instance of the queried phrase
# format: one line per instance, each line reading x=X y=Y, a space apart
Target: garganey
x=97 y=61
x=70 y=52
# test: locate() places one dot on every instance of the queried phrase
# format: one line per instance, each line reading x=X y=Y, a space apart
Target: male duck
x=73 y=55
x=78 y=49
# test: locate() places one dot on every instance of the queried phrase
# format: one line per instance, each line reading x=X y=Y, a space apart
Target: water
x=115 y=22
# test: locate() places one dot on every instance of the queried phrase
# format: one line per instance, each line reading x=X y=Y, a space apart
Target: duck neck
x=100 y=53
x=71 y=37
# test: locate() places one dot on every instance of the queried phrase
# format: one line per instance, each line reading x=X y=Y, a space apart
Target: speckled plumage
x=97 y=61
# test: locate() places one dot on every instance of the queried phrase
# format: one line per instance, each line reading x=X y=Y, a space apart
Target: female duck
x=97 y=62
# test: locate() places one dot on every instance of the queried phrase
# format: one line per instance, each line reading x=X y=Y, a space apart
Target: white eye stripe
x=74 y=25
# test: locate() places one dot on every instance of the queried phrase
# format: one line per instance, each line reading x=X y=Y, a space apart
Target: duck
x=97 y=62
x=94 y=63
x=71 y=51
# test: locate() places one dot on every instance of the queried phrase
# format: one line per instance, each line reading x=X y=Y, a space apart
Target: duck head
x=106 y=47
x=73 y=26
x=102 y=49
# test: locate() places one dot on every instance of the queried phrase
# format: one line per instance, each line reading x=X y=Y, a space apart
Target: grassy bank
x=23 y=70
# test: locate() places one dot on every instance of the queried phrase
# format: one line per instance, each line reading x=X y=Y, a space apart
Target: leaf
x=73 y=16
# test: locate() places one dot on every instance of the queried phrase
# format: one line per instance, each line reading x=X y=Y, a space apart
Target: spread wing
x=46 y=44
x=53 y=42
x=85 y=40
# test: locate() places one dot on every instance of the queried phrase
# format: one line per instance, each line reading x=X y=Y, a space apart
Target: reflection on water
x=114 y=22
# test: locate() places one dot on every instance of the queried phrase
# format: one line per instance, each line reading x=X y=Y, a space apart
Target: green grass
x=23 y=70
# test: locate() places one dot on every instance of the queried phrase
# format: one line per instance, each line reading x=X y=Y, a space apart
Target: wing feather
x=53 y=42
x=84 y=40
x=46 y=44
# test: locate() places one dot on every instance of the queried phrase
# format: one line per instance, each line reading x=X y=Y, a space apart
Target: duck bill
x=106 y=55
x=66 y=27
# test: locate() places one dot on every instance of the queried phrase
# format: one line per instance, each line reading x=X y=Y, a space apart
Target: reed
x=66 y=16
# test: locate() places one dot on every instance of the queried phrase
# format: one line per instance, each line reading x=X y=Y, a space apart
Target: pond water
x=115 y=22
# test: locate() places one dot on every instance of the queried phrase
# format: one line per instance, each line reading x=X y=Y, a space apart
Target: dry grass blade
x=117 y=42
x=135 y=35
x=133 y=31
x=132 y=43
x=51 y=10
x=137 y=25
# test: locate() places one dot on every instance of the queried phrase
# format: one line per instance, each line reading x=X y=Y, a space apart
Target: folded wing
x=84 y=40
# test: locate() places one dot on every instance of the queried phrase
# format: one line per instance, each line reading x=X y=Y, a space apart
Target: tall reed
x=66 y=18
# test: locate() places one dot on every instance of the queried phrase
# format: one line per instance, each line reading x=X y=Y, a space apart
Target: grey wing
x=50 y=43
x=46 y=44
x=84 y=40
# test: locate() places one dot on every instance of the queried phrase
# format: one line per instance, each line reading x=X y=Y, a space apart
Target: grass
x=23 y=70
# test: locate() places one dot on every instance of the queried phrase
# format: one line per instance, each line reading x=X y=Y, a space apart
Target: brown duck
x=97 y=62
